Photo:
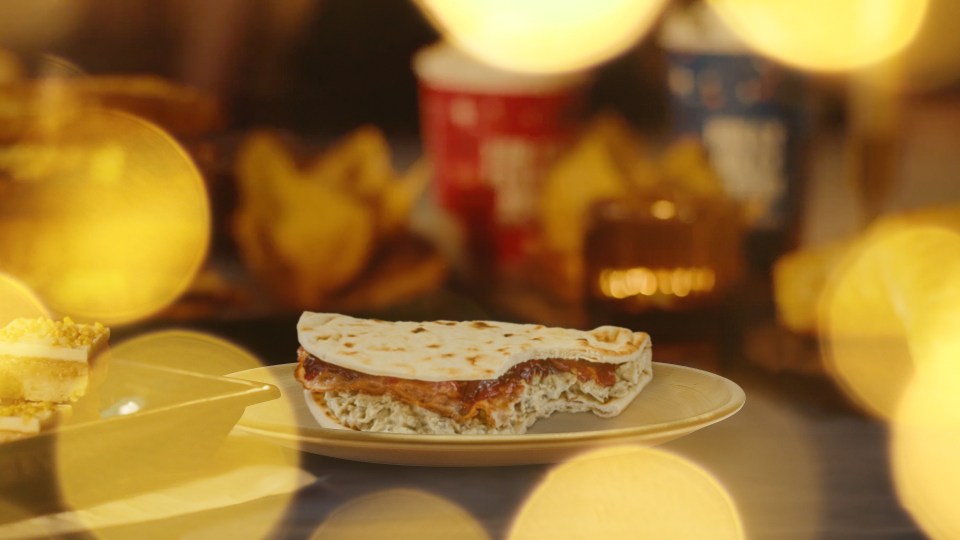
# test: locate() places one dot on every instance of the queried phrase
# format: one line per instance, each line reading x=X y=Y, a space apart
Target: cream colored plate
x=678 y=401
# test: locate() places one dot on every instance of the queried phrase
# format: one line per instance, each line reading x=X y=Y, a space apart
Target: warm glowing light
x=639 y=279
x=400 y=514
x=663 y=209
x=770 y=440
x=605 y=282
x=825 y=34
x=187 y=350
x=703 y=279
x=628 y=492
x=642 y=281
x=241 y=469
x=543 y=36
x=665 y=281
x=198 y=352
x=106 y=216
x=889 y=308
x=925 y=445
x=17 y=300
x=681 y=281
x=183 y=350
x=130 y=407
x=649 y=285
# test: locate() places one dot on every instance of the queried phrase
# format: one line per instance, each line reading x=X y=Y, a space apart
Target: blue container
x=748 y=112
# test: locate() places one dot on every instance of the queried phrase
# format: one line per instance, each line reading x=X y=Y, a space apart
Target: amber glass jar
x=666 y=251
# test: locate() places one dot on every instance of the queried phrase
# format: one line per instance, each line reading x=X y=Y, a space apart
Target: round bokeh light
x=106 y=217
x=543 y=36
x=825 y=35
x=888 y=308
x=628 y=492
x=177 y=372
x=17 y=300
x=399 y=514
x=925 y=444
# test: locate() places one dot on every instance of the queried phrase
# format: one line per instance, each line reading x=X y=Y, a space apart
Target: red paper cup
x=491 y=135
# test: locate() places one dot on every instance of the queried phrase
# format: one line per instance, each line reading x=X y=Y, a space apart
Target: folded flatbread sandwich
x=470 y=377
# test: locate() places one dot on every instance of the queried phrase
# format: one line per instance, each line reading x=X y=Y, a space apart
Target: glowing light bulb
x=543 y=36
x=828 y=35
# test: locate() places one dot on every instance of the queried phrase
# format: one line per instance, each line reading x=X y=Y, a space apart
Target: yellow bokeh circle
x=17 y=300
x=105 y=216
x=889 y=308
x=828 y=35
x=399 y=514
x=628 y=492
x=543 y=36
x=926 y=442
x=177 y=443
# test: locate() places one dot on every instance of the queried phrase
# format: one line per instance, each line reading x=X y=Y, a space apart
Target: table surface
x=794 y=471
x=798 y=460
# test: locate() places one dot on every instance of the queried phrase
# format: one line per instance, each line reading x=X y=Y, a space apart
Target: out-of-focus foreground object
x=103 y=214
x=879 y=304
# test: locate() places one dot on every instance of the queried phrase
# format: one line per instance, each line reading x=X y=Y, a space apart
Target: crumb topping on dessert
x=45 y=331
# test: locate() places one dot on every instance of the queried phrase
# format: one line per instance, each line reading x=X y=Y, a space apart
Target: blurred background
x=702 y=170
x=767 y=188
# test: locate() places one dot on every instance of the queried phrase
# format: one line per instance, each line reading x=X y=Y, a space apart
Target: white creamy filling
x=20 y=424
x=44 y=351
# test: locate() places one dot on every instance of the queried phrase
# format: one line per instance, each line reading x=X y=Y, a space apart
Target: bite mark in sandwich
x=473 y=377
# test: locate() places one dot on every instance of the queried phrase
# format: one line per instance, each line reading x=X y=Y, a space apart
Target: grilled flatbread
x=471 y=377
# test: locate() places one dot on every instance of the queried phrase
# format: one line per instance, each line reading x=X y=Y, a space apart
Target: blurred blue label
x=748 y=113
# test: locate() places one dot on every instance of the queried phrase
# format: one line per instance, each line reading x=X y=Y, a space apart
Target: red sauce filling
x=460 y=400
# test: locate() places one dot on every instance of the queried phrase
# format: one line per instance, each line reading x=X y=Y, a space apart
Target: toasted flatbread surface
x=457 y=351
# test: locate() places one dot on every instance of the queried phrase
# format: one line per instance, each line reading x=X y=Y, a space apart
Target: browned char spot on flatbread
x=481 y=325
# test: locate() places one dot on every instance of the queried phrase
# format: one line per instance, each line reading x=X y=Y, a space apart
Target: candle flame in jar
x=642 y=281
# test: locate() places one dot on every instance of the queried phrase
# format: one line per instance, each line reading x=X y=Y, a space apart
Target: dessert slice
x=44 y=360
x=26 y=418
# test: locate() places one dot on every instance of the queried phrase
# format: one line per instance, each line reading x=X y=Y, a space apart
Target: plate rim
x=322 y=435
